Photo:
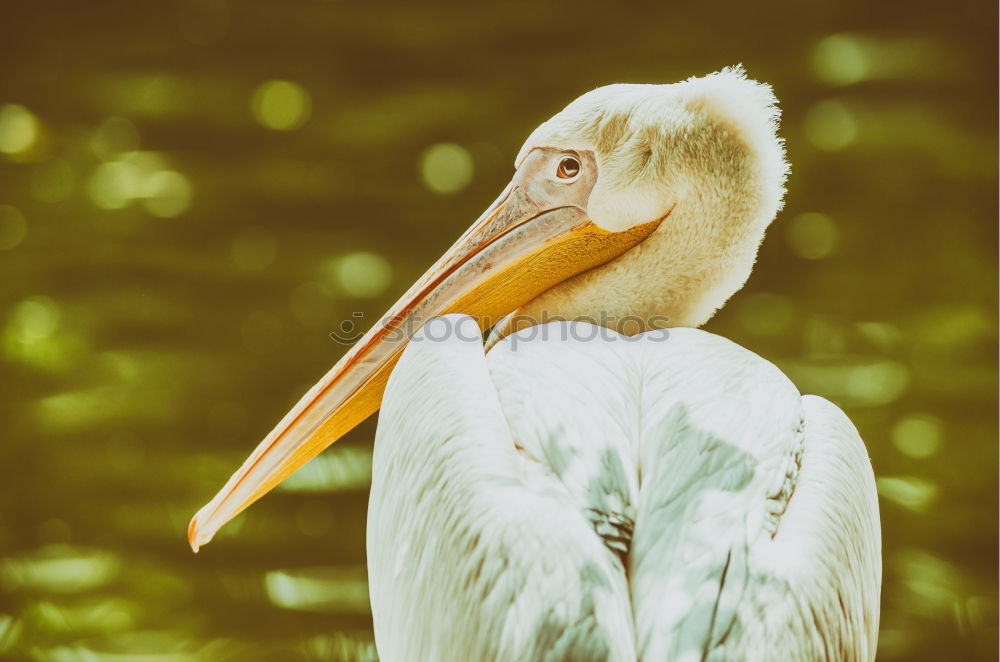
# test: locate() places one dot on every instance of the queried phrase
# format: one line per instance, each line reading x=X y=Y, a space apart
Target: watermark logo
x=517 y=329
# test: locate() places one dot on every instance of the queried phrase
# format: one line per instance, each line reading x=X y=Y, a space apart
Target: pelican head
x=636 y=206
x=703 y=157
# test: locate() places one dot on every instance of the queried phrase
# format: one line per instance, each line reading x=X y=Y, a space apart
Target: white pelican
x=668 y=496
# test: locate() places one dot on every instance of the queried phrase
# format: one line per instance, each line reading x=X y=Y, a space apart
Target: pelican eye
x=568 y=168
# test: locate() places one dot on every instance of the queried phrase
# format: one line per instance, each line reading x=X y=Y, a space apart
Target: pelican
x=600 y=480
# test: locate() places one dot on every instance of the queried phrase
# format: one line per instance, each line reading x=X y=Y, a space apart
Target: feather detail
x=663 y=497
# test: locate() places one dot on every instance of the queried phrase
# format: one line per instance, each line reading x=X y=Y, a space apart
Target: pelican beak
x=536 y=235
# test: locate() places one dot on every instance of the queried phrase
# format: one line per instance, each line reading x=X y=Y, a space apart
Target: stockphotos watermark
x=605 y=327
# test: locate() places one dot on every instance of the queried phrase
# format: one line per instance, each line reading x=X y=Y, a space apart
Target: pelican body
x=618 y=487
x=587 y=496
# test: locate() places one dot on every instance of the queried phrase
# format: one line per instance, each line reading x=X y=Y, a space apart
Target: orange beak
x=533 y=237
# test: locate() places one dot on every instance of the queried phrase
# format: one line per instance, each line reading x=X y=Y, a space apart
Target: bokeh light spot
x=18 y=129
x=166 y=193
x=917 y=436
x=878 y=383
x=13 y=227
x=812 y=235
x=840 y=59
x=831 y=126
x=911 y=492
x=949 y=327
x=281 y=105
x=88 y=616
x=140 y=176
x=60 y=569
x=446 y=168
x=883 y=335
x=34 y=334
x=52 y=181
x=339 y=646
x=930 y=585
x=319 y=589
x=113 y=185
x=36 y=318
x=10 y=632
x=361 y=275
x=145 y=161
x=343 y=469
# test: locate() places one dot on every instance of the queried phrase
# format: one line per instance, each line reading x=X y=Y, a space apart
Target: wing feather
x=468 y=558
x=568 y=499
x=817 y=582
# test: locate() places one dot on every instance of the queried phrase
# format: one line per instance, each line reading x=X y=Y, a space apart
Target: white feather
x=580 y=495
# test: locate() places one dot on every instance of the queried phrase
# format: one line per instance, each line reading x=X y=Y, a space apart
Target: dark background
x=194 y=194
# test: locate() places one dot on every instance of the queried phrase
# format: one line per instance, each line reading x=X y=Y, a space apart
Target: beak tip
x=195 y=536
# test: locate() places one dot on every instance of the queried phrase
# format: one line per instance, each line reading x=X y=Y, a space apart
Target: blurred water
x=193 y=195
